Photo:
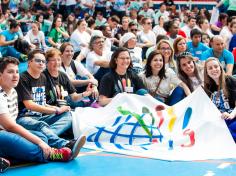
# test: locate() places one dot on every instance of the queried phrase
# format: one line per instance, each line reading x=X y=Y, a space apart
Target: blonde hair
x=171 y=59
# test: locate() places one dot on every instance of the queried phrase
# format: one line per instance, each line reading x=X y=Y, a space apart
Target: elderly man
x=225 y=57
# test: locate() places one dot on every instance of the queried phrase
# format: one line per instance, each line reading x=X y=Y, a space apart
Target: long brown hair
x=182 y=75
x=209 y=84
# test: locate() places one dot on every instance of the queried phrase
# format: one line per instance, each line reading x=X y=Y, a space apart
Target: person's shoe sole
x=4 y=165
x=77 y=146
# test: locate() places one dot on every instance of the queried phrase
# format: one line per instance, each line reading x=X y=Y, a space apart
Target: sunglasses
x=134 y=30
x=40 y=61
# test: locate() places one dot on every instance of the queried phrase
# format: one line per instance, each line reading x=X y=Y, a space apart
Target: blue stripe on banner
x=144 y=148
x=132 y=132
x=115 y=133
x=90 y=138
x=120 y=147
x=128 y=117
x=117 y=121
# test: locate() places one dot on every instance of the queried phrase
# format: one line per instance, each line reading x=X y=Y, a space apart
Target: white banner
x=142 y=126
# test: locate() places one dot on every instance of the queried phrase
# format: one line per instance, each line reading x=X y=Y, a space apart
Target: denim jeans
x=10 y=51
x=16 y=148
x=232 y=127
x=177 y=95
x=51 y=126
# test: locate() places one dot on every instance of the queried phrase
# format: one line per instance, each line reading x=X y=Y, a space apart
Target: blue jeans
x=177 y=95
x=232 y=127
x=10 y=51
x=16 y=148
x=100 y=73
x=51 y=126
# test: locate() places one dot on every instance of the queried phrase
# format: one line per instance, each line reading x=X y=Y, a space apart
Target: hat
x=126 y=37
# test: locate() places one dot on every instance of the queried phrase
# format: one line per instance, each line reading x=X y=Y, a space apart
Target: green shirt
x=57 y=37
x=231 y=4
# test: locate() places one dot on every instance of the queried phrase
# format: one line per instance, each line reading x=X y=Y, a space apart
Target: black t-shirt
x=58 y=87
x=33 y=89
x=112 y=83
x=231 y=87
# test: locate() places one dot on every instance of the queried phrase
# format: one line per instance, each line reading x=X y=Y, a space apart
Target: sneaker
x=76 y=145
x=4 y=165
x=63 y=154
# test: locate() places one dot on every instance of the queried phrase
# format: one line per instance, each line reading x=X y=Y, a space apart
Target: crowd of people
x=82 y=53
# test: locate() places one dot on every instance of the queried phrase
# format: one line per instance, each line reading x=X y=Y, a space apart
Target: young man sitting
x=17 y=143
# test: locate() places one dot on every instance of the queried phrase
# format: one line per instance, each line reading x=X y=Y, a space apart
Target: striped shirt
x=8 y=104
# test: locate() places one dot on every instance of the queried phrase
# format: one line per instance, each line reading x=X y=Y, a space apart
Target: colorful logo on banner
x=151 y=131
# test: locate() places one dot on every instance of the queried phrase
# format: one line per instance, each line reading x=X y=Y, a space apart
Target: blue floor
x=91 y=163
x=23 y=67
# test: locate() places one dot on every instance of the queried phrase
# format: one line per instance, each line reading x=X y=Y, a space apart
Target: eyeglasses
x=99 y=42
x=38 y=61
x=165 y=49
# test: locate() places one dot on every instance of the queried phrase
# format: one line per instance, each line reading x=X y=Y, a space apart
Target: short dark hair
x=92 y=40
x=115 y=55
x=7 y=60
x=132 y=24
x=115 y=18
x=33 y=52
x=14 y=24
x=195 y=31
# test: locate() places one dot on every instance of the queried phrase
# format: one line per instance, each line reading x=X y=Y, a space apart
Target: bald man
x=218 y=50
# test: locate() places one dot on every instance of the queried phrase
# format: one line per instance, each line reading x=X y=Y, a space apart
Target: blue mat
x=91 y=163
x=23 y=67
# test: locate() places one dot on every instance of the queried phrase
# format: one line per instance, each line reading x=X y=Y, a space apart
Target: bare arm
x=229 y=69
x=29 y=104
x=102 y=63
x=3 y=41
x=185 y=87
x=54 y=44
x=64 y=33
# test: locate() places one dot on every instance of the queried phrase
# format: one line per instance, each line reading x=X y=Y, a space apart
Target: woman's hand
x=227 y=116
x=95 y=92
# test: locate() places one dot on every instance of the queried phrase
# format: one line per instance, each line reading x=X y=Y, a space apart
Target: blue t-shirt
x=225 y=58
x=196 y=51
x=9 y=36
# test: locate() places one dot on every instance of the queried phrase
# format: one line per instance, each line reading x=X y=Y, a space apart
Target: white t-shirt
x=167 y=84
x=159 y=30
x=81 y=70
x=77 y=38
x=150 y=37
x=136 y=57
x=227 y=35
x=92 y=57
x=36 y=39
x=70 y=2
x=8 y=104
